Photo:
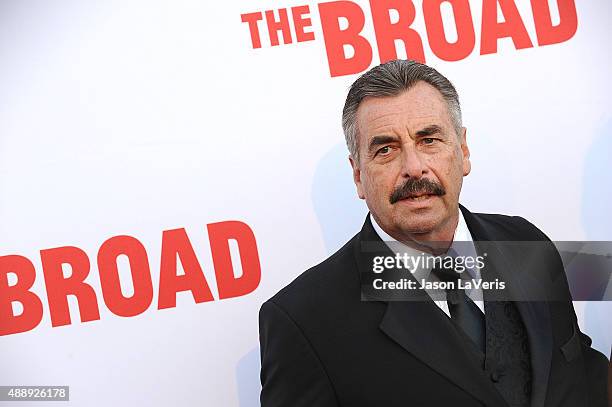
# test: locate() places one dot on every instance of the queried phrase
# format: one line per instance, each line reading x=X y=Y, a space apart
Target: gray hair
x=391 y=79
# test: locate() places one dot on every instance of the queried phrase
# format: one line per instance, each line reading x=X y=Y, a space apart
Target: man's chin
x=411 y=224
x=418 y=224
x=417 y=230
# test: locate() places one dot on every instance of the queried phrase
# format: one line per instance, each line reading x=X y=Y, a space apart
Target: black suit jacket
x=322 y=346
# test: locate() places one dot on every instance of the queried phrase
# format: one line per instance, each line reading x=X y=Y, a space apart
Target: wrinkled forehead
x=420 y=106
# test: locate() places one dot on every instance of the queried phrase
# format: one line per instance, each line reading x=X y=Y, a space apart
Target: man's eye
x=384 y=150
x=428 y=140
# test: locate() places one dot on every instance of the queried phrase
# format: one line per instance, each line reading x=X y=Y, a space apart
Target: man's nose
x=413 y=164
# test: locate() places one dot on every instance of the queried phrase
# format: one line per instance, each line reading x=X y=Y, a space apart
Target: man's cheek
x=368 y=181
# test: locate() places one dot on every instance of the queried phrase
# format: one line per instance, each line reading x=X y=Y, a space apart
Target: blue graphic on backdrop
x=247 y=379
x=597 y=223
x=340 y=211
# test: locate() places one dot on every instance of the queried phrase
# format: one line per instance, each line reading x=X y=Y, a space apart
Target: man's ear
x=356 y=177
x=465 y=152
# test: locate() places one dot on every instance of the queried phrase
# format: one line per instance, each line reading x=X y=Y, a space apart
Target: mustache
x=419 y=186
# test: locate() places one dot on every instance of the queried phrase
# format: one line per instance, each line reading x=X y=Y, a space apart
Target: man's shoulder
x=507 y=227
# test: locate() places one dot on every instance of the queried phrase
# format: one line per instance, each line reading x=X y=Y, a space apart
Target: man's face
x=411 y=164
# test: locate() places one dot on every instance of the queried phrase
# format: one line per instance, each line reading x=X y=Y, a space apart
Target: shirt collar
x=463 y=243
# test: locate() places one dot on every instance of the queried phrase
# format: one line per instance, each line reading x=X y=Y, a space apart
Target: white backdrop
x=135 y=117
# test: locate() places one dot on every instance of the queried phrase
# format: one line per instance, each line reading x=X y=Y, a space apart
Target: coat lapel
x=422 y=329
x=535 y=314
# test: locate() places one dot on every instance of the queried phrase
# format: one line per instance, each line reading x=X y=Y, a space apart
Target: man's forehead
x=421 y=105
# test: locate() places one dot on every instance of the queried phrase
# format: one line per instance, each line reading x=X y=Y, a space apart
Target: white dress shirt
x=466 y=248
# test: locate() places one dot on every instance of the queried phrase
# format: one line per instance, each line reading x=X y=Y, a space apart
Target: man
x=325 y=341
